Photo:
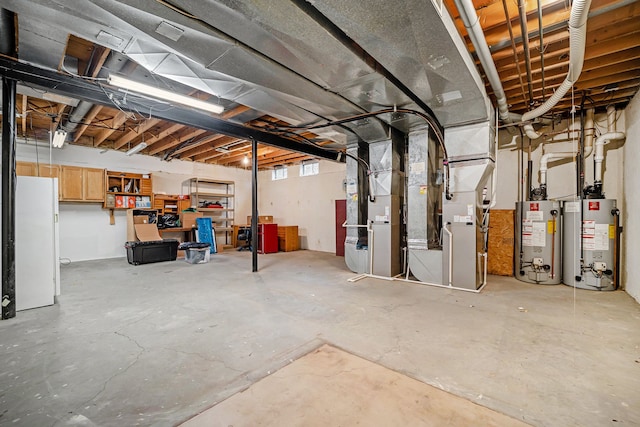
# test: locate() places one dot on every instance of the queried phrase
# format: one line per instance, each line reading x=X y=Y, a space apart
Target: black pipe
x=254 y=205
x=616 y=249
x=580 y=155
x=8 y=198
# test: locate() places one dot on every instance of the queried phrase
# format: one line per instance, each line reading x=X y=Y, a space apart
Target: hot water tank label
x=572 y=207
x=595 y=237
x=535 y=215
x=533 y=233
x=594 y=206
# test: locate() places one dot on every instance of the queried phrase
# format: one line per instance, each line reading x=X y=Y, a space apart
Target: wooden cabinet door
x=146 y=187
x=71 y=181
x=94 y=185
x=25 y=169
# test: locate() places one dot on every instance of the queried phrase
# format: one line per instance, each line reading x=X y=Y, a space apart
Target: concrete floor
x=156 y=344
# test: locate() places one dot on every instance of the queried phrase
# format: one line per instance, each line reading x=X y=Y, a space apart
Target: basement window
x=279 y=172
x=309 y=167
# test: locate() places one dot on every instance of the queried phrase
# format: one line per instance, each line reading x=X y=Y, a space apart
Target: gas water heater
x=591 y=244
x=538 y=242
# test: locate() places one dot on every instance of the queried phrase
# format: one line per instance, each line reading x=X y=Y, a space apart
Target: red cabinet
x=267 y=238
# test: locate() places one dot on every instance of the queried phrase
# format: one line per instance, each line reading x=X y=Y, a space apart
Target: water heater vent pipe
x=603 y=139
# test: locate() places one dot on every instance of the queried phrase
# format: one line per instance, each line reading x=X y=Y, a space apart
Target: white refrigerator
x=37 y=245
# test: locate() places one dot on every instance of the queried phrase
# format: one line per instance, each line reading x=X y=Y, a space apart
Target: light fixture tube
x=136 y=149
x=58 y=138
x=153 y=91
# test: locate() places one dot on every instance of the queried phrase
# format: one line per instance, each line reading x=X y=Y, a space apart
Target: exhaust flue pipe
x=603 y=139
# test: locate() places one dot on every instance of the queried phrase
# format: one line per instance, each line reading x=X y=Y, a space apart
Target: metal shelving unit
x=215 y=199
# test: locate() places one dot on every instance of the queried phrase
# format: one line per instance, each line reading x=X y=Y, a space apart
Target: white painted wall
x=631 y=201
x=305 y=201
x=85 y=232
x=561 y=183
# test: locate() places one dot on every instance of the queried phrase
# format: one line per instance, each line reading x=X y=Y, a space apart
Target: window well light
x=58 y=138
x=166 y=95
x=136 y=149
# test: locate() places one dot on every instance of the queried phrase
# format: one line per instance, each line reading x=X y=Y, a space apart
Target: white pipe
x=589 y=130
x=603 y=139
x=444 y=227
x=472 y=24
x=577 y=41
x=551 y=156
x=611 y=118
x=599 y=156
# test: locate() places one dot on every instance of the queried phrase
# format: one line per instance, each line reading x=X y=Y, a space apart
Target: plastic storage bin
x=154 y=251
x=196 y=253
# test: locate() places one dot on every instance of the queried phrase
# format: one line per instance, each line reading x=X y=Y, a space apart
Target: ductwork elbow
x=545 y=160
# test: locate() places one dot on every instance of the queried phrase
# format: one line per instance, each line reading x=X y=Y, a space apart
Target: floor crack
x=108 y=380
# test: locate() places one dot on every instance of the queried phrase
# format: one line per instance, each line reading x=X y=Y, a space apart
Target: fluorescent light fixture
x=153 y=91
x=136 y=149
x=223 y=150
x=58 y=138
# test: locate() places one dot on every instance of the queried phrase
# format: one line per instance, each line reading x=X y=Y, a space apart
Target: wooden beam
x=209 y=143
x=165 y=145
x=117 y=121
x=169 y=143
x=86 y=121
x=136 y=131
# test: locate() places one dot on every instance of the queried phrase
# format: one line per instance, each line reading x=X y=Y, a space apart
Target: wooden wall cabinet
x=75 y=183
x=78 y=184
x=124 y=190
x=170 y=204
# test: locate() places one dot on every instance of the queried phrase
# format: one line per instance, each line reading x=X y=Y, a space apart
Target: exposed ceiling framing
x=611 y=75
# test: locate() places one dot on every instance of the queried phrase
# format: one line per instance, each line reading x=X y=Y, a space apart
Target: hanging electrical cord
x=428 y=119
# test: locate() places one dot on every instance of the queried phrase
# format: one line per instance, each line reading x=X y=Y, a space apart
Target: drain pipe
x=577 y=41
x=472 y=24
x=603 y=139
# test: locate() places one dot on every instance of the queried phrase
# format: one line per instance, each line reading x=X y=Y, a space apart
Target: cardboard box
x=119 y=201
x=131 y=202
x=188 y=219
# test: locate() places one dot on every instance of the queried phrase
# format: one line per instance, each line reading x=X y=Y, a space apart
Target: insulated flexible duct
x=577 y=40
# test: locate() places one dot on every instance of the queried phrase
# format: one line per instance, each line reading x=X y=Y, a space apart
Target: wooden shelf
x=116 y=196
x=221 y=210
x=213 y=195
